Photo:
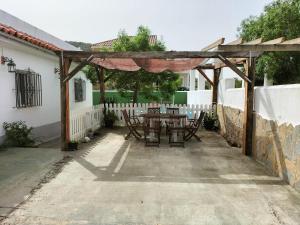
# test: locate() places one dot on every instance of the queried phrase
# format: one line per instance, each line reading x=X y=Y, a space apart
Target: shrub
x=17 y=134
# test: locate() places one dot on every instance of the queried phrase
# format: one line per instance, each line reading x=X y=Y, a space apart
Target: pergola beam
x=81 y=55
x=205 y=76
x=234 y=68
x=78 y=68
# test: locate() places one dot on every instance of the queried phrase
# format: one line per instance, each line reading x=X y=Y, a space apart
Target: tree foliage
x=140 y=81
x=279 y=19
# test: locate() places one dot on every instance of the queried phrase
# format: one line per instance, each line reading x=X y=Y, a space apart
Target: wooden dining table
x=163 y=115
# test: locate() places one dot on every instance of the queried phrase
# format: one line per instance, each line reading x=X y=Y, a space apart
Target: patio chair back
x=174 y=111
x=194 y=127
x=130 y=126
x=152 y=130
x=154 y=110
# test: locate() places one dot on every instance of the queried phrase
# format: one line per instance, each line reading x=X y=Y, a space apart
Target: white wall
x=89 y=92
x=202 y=97
x=43 y=64
x=279 y=103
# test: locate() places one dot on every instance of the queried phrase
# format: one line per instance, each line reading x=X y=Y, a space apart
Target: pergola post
x=64 y=102
x=100 y=73
x=216 y=78
x=249 y=106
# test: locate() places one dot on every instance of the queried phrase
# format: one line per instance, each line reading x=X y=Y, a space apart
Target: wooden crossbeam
x=234 y=68
x=205 y=76
x=78 y=68
x=159 y=55
x=214 y=44
x=237 y=61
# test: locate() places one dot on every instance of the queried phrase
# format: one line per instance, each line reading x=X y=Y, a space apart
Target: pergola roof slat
x=274 y=41
x=254 y=42
x=214 y=44
x=291 y=42
x=236 y=42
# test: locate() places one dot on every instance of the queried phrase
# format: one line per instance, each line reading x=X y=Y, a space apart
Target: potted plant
x=109 y=119
x=211 y=122
x=73 y=145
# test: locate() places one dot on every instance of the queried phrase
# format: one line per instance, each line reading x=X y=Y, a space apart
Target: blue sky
x=183 y=24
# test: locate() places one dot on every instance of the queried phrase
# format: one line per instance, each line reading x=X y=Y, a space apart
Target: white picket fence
x=83 y=120
x=192 y=111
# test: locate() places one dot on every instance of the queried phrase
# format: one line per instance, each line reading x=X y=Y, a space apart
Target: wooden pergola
x=233 y=55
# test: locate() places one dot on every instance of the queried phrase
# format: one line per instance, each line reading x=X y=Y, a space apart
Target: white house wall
x=46 y=118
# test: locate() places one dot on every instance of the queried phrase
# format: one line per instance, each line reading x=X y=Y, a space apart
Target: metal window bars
x=28 y=88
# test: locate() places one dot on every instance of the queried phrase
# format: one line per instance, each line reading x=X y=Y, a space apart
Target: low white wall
x=44 y=64
x=279 y=103
x=203 y=97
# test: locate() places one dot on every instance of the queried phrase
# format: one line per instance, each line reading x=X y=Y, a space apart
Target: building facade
x=32 y=92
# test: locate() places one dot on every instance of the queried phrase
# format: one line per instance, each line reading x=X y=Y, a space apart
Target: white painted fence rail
x=83 y=120
x=192 y=111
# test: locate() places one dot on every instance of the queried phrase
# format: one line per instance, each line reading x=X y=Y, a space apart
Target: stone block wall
x=276 y=146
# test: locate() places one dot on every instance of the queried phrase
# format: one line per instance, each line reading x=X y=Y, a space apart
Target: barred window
x=80 y=89
x=28 y=89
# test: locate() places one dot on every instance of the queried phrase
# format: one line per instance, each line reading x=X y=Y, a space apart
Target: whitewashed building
x=32 y=92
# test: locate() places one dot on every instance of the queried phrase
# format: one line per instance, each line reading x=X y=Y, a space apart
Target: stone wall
x=231 y=124
x=276 y=146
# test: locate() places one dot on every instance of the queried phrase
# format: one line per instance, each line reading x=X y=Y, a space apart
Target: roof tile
x=26 y=37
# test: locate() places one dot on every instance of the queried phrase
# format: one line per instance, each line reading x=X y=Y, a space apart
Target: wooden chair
x=176 y=131
x=132 y=125
x=152 y=130
x=154 y=110
x=172 y=111
x=193 y=127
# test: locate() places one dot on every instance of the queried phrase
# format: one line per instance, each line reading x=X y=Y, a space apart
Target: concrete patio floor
x=115 y=181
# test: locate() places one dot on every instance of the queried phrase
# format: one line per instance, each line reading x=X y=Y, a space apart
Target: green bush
x=211 y=122
x=17 y=134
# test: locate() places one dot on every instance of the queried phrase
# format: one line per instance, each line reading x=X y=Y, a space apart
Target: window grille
x=80 y=90
x=28 y=89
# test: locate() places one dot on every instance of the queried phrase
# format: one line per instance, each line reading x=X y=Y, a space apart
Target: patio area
x=114 y=181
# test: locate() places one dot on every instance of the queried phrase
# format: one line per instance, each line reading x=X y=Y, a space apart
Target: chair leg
x=197 y=137
x=128 y=135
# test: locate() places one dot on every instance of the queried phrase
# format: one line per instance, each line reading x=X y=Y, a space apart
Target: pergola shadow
x=211 y=161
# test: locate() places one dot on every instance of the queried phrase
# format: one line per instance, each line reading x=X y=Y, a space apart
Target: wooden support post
x=216 y=78
x=249 y=106
x=100 y=73
x=64 y=102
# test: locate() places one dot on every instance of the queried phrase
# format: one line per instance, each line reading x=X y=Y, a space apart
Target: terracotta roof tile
x=26 y=37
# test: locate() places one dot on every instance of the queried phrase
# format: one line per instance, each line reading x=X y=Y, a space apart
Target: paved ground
x=21 y=169
x=122 y=182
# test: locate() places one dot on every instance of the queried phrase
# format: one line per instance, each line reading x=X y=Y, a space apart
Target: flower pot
x=109 y=123
x=72 y=146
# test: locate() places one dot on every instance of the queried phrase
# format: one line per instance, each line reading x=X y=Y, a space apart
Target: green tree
x=279 y=19
x=166 y=83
